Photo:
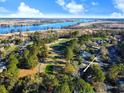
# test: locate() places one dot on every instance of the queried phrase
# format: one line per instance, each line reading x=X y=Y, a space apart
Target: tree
x=26 y=53
x=97 y=73
x=30 y=59
x=74 y=34
x=3 y=89
x=44 y=51
x=27 y=85
x=121 y=48
x=55 y=36
x=83 y=39
x=23 y=59
x=85 y=87
x=114 y=71
x=36 y=37
x=12 y=68
x=18 y=41
x=100 y=87
x=69 y=68
x=73 y=44
x=51 y=82
x=69 y=54
x=12 y=59
x=2 y=54
x=64 y=88
x=80 y=86
x=34 y=50
x=80 y=60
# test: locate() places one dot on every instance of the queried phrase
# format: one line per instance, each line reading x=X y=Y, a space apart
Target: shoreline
x=81 y=24
x=91 y=23
x=4 y=36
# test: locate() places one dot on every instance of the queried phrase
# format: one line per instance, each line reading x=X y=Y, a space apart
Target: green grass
x=49 y=69
x=100 y=38
x=60 y=41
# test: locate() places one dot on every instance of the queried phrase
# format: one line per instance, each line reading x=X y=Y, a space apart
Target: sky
x=62 y=8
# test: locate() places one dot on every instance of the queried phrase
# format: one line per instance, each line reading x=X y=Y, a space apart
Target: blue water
x=4 y=30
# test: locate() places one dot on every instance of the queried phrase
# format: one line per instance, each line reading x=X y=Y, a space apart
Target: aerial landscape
x=62 y=46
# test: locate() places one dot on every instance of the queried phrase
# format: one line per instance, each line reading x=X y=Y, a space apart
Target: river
x=11 y=29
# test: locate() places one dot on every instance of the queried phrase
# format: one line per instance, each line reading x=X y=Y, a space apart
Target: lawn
x=100 y=38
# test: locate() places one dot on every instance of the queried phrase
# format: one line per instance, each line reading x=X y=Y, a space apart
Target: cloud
x=118 y=4
x=26 y=11
x=94 y=3
x=4 y=10
x=72 y=7
x=117 y=15
x=2 y=0
x=60 y=2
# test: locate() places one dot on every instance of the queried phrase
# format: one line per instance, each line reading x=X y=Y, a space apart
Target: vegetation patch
x=100 y=38
x=49 y=69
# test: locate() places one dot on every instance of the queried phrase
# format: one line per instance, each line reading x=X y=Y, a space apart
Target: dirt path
x=38 y=69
